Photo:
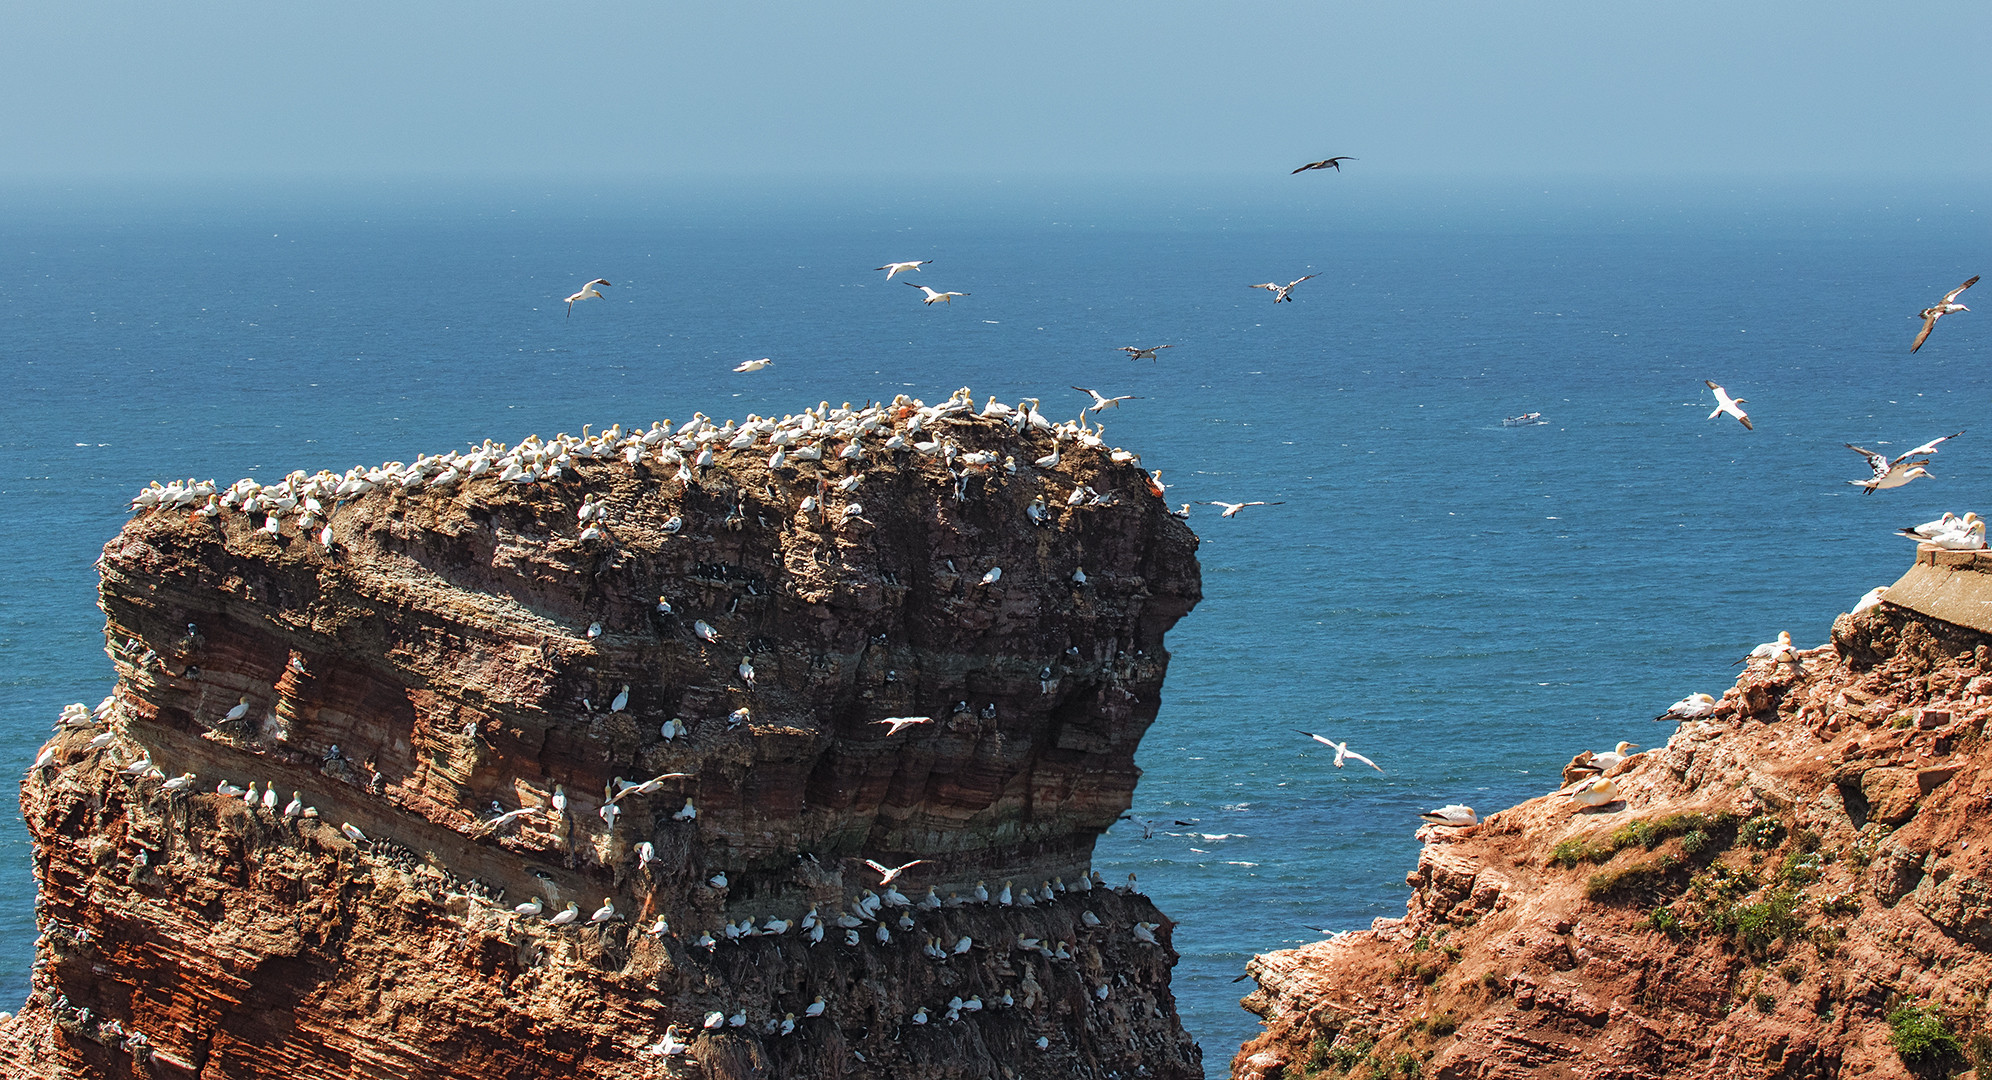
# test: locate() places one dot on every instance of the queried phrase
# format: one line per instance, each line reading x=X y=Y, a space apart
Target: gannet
x=180 y=783
x=920 y=1015
x=687 y=814
x=571 y=913
x=670 y=1045
x=753 y=365
x=1871 y=598
x=893 y=268
x=747 y=671
x=1777 y=652
x=1893 y=473
x=659 y=928
x=1341 y=750
x=352 y=832
x=604 y=913
x=240 y=710
x=932 y=296
x=739 y=1018
x=1102 y=401
x=646 y=853
x=1145 y=932
x=889 y=874
x=738 y=717
x=901 y=723
x=1726 y=404
x=1231 y=509
x=994 y=575
x=1931 y=529
x=532 y=907
x=295 y=806
x=1454 y=814
x=621 y=701
x=1692 y=707
x=559 y=800
x=587 y=291
x=1134 y=353
x=1280 y=292
x=609 y=812
x=704 y=630
x=139 y=767
x=1594 y=792
x=227 y=790
x=815 y=1008
x=1605 y=759
x=1334 y=163
x=1947 y=306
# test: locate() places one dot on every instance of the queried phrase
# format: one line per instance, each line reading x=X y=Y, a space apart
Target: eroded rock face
x=456 y=653
x=1773 y=882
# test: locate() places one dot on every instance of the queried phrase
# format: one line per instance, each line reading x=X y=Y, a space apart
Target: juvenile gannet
x=753 y=365
x=1692 y=707
x=1893 y=473
x=1334 y=163
x=1454 y=814
x=893 y=268
x=587 y=291
x=1102 y=401
x=1280 y=292
x=1231 y=509
x=1134 y=353
x=1947 y=306
x=1341 y=750
x=1605 y=759
x=1595 y=792
x=932 y=296
x=1726 y=404
x=889 y=874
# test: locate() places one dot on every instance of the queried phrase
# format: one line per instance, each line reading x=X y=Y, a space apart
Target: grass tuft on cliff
x=1922 y=1040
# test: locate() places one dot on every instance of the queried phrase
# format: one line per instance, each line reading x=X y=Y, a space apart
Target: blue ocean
x=1465 y=602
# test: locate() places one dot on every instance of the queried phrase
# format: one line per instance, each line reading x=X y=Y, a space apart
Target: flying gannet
x=889 y=874
x=1334 y=163
x=1692 y=707
x=1280 y=292
x=1726 y=404
x=933 y=297
x=1231 y=509
x=1136 y=353
x=1947 y=306
x=1341 y=750
x=894 y=268
x=1893 y=473
x=753 y=365
x=1102 y=401
x=587 y=291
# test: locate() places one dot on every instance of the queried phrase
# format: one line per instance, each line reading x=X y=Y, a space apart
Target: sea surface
x=1467 y=603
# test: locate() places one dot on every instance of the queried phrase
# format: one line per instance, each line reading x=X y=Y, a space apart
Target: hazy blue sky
x=1020 y=88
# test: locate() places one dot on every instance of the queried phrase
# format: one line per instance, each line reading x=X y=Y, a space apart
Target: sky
x=138 y=91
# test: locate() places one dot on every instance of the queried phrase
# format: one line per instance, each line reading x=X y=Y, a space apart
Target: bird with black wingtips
x=1726 y=404
x=1899 y=470
x=1334 y=163
x=587 y=291
x=1947 y=306
x=1281 y=293
x=1137 y=353
x=1341 y=749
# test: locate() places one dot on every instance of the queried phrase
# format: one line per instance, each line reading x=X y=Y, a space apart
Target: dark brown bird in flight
x=1948 y=306
x=1334 y=163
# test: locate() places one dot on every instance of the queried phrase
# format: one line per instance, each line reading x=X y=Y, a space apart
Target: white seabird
x=895 y=267
x=1871 y=598
x=937 y=297
x=532 y=907
x=1605 y=759
x=753 y=365
x=588 y=291
x=901 y=723
x=1599 y=791
x=604 y=913
x=889 y=874
x=571 y=913
x=1895 y=472
x=1947 y=306
x=621 y=701
x=1341 y=750
x=1102 y=401
x=1726 y=404
x=352 y=832
x=1280 y=291
x=1692 y=707
x=1134 y=353
x=1777 y=652
x=1231 y=509
x=1457 y=815
x=240 y=710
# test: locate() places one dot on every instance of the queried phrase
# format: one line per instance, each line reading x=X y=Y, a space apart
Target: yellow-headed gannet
x=1341 y=750
x=936 y=297
x=1726 y=404
x=1692 y=707
x=1605 y=759
x=588 y=291
x=753 y=365
x=621 y=700
x=895 y=267
x=889 y=874
x=1777 y=652
x=1947 y=306
x=604 y=913
x=568 y=915
x=240 y=710
x=1280 y=292
x=901 y=723
x=1102 y=401
x=1231 y=509
x=1453 y=814
x=533 y=907
x=1597 y=791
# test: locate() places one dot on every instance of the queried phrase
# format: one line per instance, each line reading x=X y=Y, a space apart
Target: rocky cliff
x=1795 y=886
x=640 y=677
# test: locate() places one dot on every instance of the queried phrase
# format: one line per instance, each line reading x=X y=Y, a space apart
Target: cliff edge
x=566 y=759
x=1795 y=886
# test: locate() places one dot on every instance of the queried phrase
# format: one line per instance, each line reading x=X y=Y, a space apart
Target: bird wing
x=1931 y=446
x=1953 y=294
x=1298 y=280
x=1364 y=760
x=1744 y=419
x=879 y=866
x=1309 y=165
x=1929 y=324
x=1322 y=739
x=1268 y=285
x=1875 y=461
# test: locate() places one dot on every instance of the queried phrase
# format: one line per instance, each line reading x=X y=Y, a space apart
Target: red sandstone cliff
x=435 y=664
x=1774 y=884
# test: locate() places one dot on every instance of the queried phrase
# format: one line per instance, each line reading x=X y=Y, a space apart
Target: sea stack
x=432 y=668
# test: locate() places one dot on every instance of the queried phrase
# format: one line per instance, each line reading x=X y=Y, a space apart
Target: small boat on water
x=1524 y=420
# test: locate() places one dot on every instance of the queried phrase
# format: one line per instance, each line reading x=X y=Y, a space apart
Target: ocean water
x=1467 y=603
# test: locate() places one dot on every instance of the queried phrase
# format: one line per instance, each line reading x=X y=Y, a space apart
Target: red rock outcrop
x=1770 y=887
x=456 y=651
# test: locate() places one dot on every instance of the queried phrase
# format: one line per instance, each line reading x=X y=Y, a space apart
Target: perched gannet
x=1598 y=791
x=687 y=814
x=1341 y=750
x=532 y=907
x=1280 y=291
x=1134 y=353
x=1947 y=306
x=1777 y=652
x=1948 y=532
x=670 y=1045
x=1605 y=759
x=604 y=913
x=1893 y=473
x=608 y=812
x=815 y=1008
x=621 y=701
x=1231 y=509
x=1334 y=163
x=227 y=790
x=889 y=874
x=747 y=671
x=1726 y=404
x=901 y=723
x=1454 y=814
x=587 y=291
x=739 y=1017
x=295 y=806
x=1929 y=529
x=1102 y=401
x=715 y=1020
x=1692 y=707
x=704 y=630
x=1145 y=932
x=932 y=296
x=994 y=575
x=352 y=832
x=659 y=928
x=179 y=783
x=240 y=710
x=753 y=365
x=1871 y=598
x=571 y=913
x=893 y=268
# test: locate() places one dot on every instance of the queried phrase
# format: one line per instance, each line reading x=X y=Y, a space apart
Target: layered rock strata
x=1764 y=894
x=462 y=647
